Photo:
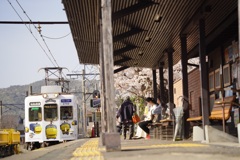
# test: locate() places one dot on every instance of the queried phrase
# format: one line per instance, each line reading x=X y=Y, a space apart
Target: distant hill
x=16 y=94
x=13 y=99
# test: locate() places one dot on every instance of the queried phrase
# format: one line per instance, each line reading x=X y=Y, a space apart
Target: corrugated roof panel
x=136 y=18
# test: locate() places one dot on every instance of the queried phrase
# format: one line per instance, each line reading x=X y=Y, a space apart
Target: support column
x=112 y=138
x=1 y=114
x=239 y=25
x=103 y=96
x=203 y=73
x=161 y=78
x=154 y=73
x=184 y=60
x=84 y=105
x=170 y=79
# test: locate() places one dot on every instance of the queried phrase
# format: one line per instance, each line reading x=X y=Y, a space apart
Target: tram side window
x=35 y=114
x=66 y=112
x=50 y=112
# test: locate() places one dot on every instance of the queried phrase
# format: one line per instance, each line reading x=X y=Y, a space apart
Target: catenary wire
x=57 y=37
x=39 y=33
x=31 y=33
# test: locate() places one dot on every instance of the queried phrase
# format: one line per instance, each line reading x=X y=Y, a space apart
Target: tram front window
x=66 y=112
x=35 y=114
x=50 y=112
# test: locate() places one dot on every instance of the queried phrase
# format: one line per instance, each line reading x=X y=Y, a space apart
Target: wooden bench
x=155 y=127
x=162 y=130
x=167 y=129
x=221 y=111
x=155 y=130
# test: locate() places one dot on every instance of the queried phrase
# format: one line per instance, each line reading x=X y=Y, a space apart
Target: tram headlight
x=55 y=95
x=74 y=122
x=45 y=95
x=26 y=129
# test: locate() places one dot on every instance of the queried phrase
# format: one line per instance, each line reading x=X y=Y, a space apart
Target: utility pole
x=84 y=104
x=1 y=113
x=84 y=98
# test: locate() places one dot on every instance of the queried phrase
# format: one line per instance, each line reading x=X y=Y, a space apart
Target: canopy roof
x=144 y=29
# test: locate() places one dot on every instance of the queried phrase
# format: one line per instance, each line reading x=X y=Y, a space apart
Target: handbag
x=135 y=118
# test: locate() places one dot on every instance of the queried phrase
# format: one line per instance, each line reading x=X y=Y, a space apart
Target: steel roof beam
x=129 y=33
x=124 y=49
x=194 y=19
x=120 y=69
x=217 y=31
x=134 y=8
x=124 y=59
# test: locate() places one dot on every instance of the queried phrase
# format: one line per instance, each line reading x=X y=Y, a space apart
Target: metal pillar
x=1 y=113
x=103 y=91
x=112 y=138
x=103 y=104
x=239 y=25
x=203 y=73
x=170 y=79
x=84 y=109
x=154 y=73
x=184 y=60
x=161 y=78
x=30 y=90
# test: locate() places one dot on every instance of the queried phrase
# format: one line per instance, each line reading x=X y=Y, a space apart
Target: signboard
x=35 y=104
x=66 y=100
x=95 y=103
x=35 y=109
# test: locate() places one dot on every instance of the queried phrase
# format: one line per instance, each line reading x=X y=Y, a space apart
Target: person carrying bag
x=135 y=118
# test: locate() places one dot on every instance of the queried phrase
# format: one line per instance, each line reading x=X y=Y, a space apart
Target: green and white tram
x=51 y=116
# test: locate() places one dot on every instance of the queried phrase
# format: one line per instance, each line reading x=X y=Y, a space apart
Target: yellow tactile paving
x=88 y=151
x=91 y=151
x=166 y=145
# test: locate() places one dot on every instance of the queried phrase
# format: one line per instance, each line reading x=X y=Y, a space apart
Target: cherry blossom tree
x=138 y=82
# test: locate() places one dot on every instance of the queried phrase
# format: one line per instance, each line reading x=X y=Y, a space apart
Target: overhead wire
x=57 y=37
x=39 y=33
x=75 y=68
x=31 y=33
x=41 y=37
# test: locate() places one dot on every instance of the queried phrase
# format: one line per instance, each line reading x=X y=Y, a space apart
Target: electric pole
x=84 y=97
x=84 y=104
x=1 y=113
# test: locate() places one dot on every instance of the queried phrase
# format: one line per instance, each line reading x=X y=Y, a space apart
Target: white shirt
x=150 y=112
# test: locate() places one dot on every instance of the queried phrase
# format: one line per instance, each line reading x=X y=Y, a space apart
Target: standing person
x=118 y=124
x=125 y=113
x=154 y=110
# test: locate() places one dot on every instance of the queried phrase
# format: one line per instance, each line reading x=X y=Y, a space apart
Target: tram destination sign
x=35 y=104
x=66 y=101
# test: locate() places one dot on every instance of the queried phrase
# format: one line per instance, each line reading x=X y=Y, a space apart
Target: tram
x=51 y=116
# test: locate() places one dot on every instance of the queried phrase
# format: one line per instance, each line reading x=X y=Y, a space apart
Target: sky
x=20 y=54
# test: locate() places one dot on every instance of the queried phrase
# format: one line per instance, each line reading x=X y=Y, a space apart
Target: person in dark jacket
x=125 y=113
